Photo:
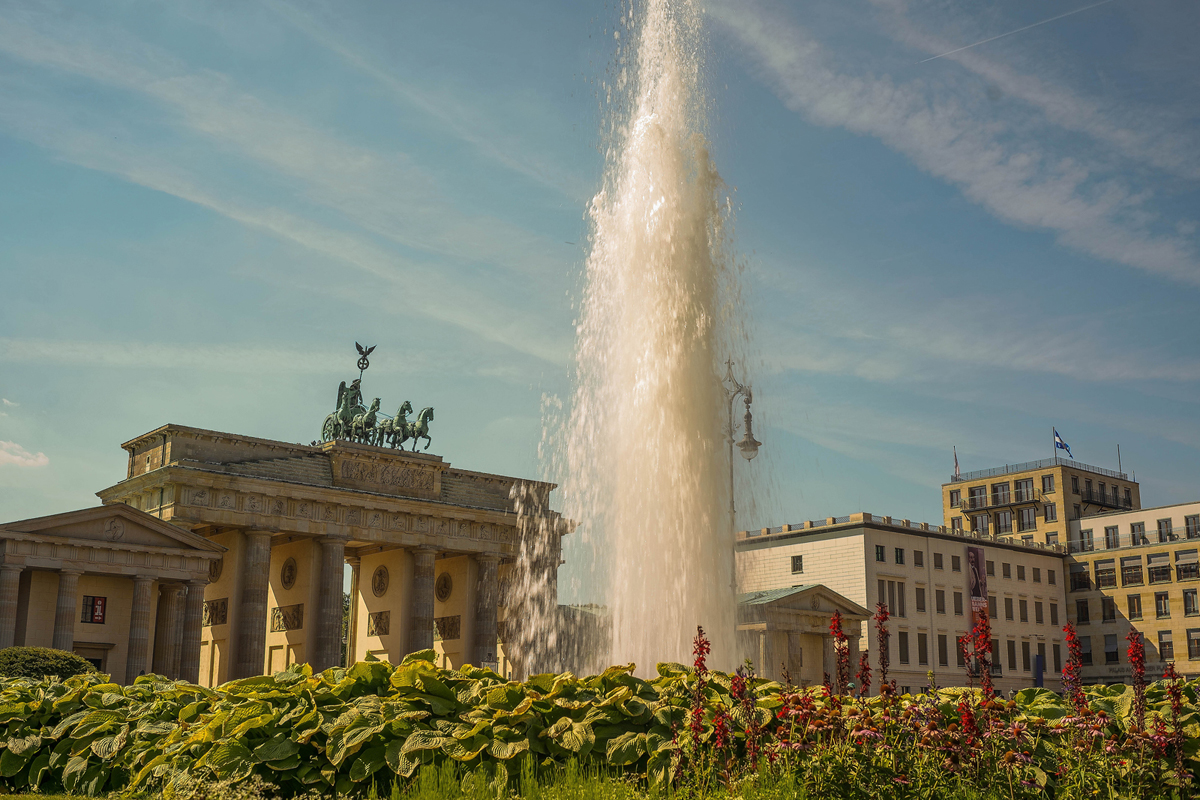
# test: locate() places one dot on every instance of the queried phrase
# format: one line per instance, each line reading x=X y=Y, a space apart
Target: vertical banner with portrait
x=977 y=583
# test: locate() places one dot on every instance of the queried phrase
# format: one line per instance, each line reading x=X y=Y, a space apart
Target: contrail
x=1018 y=30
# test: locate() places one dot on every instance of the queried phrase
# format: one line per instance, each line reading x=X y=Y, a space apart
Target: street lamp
x=748 y=444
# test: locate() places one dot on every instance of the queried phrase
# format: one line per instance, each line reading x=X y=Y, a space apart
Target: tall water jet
x=645 y=441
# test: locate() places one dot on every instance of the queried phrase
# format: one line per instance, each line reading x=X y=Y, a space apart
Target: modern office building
x=1036 y=500
x=1136 y=569
x=921 y=573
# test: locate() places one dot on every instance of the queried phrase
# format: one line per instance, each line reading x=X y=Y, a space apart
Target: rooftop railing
x=1009 y=469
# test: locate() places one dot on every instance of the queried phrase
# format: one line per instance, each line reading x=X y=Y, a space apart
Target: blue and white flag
x=1059 y=444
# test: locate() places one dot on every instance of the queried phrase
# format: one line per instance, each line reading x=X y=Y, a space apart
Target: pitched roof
x=184 y=537
x=771 y=595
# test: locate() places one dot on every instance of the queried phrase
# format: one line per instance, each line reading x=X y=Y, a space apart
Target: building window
x=1083 y=615
x=977 y=497
x=1187 y=565
x=880 y=553
x=1077 y=512
x=1004 y=522
x=958 y=604
x=991 y=568
x=1012 y=654
x=1051 y=538
x=992 y=610
x=923 y=649
x=918 y=558
x=1023 y=606
x=960 y=648
x=1192 y=526
x=1108 y=609
x=955 y=563
x=1075 y=484
x=1025 y=659
x=1159 y=567
x=1006 y=570
x=1038 y=616
x=1193 y=637
x=797 y=564
x=1027 y=519
x=1085 y=541
x=956 y=524
x=1189 y=603
x=93 y=609
x=1137 y=533
x=1000 y=495
x=1042 y=654
x=1051 y=577
x=1131 y=571
x=979 y=523
x=1047 y=483
x=1087 y=487
x=1162 y=605
x=903 y=639
x=1110 y=649
x=1050 y=512
x=1135 y=606
x=920 y=599
x=1023 y=490
x=1085 y=645
x=1166 y=648
x=943 y=654
x=955 y=498
x=1008 y=608
x=1106 y=572
x=1164 y=531
x=996 y=670
x=1054 y=614
x=891 y=593
x=1020 y=572
x=1037 y=574
x=1080 y=580
x=1057 y=652
x=937 y=561
x=1112 y=539
x=899 y=555
x=939 y=600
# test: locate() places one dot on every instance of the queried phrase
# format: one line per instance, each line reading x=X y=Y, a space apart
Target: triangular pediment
x=811 y=598
x=113 y=524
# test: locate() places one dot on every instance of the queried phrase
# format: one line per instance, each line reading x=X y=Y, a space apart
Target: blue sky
x=204 y=206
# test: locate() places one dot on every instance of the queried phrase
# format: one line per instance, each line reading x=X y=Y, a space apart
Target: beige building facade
x=1136 y=570
x=1036 y=500
x=920 y=572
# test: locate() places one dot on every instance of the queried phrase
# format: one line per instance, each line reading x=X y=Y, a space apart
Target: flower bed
x=698 y=730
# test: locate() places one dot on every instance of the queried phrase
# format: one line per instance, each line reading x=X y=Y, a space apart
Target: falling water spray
x=643 y=451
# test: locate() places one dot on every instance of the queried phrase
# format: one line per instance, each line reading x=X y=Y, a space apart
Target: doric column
x=10 y=585
x=329 y=604
x=166 y=629
x=352 y=634
x=138 y=660
x=487 y=594
x=420 y=628
x=177 y=633
x=193 y=619
x=64 y=611
x=252 y=610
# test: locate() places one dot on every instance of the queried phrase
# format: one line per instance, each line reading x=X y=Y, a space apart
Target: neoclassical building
x=233 y=554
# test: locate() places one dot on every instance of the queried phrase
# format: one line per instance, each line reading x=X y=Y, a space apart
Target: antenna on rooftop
x=1119 y=459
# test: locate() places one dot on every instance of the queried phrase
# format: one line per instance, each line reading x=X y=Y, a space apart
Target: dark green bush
x=38 y=662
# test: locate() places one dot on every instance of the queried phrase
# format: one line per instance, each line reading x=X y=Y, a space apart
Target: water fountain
x=644 y=446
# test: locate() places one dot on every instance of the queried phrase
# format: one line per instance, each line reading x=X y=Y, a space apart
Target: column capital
x=425 y=548
x=254 y=532
x=332 y=539
x=354 y=561
x=144 y=578
x=201 y=582
x=70 y=571
x=487 y=558
x=12 y=567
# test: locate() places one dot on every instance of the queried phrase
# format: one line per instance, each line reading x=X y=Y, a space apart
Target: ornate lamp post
x=748 y=444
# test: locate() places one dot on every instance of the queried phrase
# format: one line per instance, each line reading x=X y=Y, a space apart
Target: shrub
x=38 y=662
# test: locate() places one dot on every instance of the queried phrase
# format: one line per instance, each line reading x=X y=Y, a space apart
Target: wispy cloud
x=994 y=163
x=9 y=403
x=1152 y=135
x=13 y=454
x=462 y=122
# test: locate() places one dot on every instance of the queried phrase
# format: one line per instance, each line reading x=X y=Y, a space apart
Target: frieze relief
x=303 y=509
x=254 y=504
x=394 y=477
